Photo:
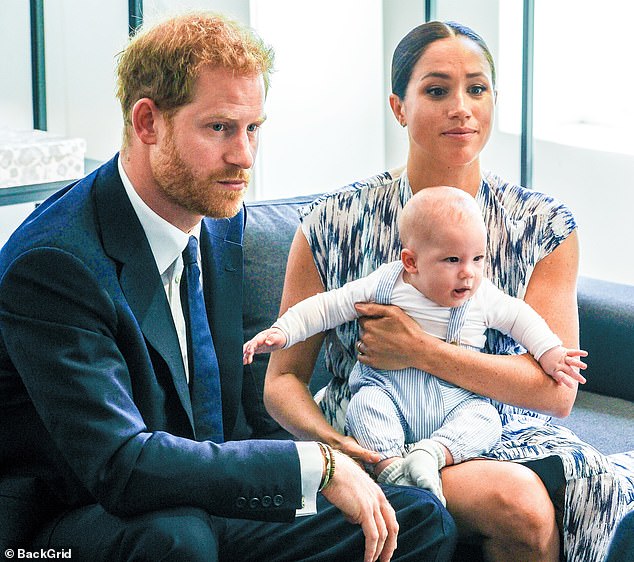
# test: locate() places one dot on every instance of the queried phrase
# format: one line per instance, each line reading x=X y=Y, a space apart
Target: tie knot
x=190 y=253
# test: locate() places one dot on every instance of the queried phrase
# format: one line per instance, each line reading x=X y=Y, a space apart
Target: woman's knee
x=525 y=509
x=171 y=535
x=501 y=501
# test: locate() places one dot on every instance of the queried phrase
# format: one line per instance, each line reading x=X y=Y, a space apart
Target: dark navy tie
x=204 y=374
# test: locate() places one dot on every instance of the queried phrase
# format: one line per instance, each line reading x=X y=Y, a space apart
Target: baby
x=417 y=422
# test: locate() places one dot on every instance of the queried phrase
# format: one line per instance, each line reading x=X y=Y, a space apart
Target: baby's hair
x=428 y=209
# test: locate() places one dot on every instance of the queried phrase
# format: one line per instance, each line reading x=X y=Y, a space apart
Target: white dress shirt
x=167 y=243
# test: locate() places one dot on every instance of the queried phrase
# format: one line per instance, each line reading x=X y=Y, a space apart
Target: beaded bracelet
x=329 y=465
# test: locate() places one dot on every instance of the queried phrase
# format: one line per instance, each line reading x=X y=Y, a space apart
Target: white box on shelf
x=33 y=157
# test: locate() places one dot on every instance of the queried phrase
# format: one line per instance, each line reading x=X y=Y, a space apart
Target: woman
x=443 y=84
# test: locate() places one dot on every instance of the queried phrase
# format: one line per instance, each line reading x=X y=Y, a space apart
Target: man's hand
x=264 y=342
x=563 y=365
x=363 y=502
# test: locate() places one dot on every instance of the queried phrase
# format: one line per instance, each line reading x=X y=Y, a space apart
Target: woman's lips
x=460 y=133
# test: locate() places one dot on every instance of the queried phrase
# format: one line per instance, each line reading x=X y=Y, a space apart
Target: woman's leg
x=507 y=505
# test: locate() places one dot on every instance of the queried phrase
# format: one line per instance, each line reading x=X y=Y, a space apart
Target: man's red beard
x=201 y=196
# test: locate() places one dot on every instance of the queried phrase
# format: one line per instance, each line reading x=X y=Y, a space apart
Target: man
x=101 y=447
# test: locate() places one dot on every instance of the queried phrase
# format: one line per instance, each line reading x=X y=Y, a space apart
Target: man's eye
x=217 y=127
x=253 y=128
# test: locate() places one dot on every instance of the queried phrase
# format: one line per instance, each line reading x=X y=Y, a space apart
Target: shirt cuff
x=311 y=464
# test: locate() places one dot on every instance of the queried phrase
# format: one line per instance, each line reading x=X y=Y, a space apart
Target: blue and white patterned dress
x=354 y=230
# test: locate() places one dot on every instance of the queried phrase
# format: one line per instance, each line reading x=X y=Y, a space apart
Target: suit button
x=241 y=502
x=267 y=501
x=254 y=503
x=278 y=500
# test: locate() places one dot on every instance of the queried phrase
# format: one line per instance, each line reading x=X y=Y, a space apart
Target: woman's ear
x=144 y=118
x=397 y=108
x=408 y=257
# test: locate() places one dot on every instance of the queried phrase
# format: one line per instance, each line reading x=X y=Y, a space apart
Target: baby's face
x=450 y=263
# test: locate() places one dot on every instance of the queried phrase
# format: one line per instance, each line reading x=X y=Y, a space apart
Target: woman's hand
x=389 y=339
x=350 y=447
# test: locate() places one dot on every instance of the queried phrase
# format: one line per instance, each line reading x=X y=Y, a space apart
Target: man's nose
x=241 y=151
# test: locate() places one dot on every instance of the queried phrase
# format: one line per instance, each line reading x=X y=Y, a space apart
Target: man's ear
x=145 y=116
x=408 y=257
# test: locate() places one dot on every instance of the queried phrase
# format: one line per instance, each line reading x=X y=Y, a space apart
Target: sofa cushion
x=592 y=417
x=269 y=232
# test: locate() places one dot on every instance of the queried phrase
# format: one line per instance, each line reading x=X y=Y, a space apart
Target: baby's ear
x=408 y=257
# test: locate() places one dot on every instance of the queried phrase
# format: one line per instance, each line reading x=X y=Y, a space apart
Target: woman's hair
x=164 y=61
x=414 y=44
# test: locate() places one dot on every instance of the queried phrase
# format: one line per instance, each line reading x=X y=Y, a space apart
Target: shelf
x=39 y=191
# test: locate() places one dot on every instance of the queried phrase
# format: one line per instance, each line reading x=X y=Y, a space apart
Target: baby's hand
x=264 y=342
x=563 y=365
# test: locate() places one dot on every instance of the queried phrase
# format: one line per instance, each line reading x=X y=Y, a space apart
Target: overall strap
x=457 y=318
x=388 y=280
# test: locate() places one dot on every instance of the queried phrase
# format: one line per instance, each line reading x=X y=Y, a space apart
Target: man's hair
x=164 y=61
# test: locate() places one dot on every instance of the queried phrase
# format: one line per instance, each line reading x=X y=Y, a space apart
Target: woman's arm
x=286 y=393
x=391 y=340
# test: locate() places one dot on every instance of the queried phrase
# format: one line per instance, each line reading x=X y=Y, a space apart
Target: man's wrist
x=329 y=465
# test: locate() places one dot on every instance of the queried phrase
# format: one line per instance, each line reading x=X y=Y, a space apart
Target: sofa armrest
x=606 y=319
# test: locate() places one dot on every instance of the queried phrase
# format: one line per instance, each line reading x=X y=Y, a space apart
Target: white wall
x=325 y=106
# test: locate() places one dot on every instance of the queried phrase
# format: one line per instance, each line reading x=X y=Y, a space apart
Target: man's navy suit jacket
x=94 y=402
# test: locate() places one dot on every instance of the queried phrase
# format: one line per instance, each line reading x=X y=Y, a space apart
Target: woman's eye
x=436 y=91
x=477 y=90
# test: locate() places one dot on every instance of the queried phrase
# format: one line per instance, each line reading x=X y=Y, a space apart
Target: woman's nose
x=459 y=107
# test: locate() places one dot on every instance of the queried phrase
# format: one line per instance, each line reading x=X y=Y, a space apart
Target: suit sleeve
x=65 y=335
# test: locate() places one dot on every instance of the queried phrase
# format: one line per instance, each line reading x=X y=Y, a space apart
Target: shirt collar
x=167 y=242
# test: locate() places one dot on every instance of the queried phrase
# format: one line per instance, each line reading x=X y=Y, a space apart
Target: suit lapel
x=125 y=241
